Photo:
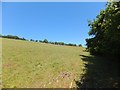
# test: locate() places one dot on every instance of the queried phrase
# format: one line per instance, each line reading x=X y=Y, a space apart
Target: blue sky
x=65 y=22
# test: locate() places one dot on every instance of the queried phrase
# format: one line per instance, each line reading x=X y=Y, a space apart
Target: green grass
x=31 y=64
x=0 y=63
x=37 y=65
x=100 y=73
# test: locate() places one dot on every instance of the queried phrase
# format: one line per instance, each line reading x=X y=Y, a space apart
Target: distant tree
x=40 y=41
x=31 y=40
x=70 y=44
x=23 y=38
x=0 y=35
x=52 y=42
x=36 y=40
x=80 y=45
x=56 y=43
x=61 y=43
x=12 y=37
x=75 y=45
x=45 y=41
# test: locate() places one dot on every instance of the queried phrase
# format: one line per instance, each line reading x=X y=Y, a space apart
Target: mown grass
x=32 y=64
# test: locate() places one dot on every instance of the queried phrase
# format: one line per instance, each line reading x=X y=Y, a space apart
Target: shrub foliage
x=105 y=32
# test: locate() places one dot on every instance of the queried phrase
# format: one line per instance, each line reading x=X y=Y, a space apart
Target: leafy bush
x=105 y=32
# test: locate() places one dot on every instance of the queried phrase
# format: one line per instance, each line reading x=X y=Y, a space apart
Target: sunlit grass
x=32 y=64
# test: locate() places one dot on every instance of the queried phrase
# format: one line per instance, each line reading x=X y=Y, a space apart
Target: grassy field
x=0 y=63
x=37 y=65
x=32 y=64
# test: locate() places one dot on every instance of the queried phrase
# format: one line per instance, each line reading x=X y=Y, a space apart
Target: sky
x=55 y=21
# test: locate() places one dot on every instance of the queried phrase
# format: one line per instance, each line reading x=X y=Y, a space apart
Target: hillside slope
x=33 y=64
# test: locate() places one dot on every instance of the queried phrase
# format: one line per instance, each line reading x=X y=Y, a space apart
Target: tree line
x=55 y=43
x=105 y=32
x=12 y=37
x=41 y=41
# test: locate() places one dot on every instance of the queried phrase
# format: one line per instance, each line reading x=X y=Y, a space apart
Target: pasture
x=34 y=64
x=37 y=65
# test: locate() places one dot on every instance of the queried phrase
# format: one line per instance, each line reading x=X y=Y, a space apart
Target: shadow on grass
x=100 y=73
